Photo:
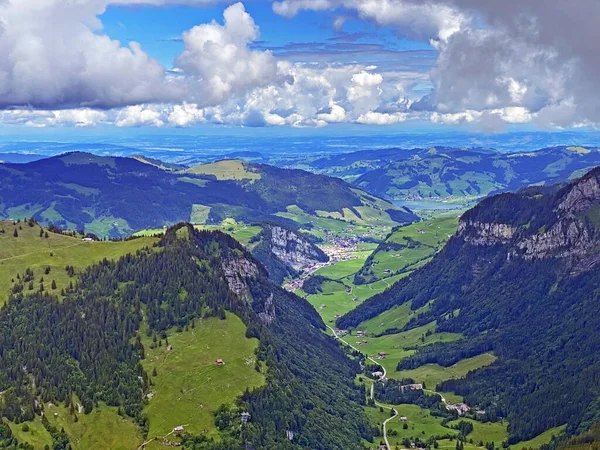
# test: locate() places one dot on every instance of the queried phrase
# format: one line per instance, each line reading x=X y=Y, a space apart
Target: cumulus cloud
x=422 y=20
x=138 y=115
x=57 y=57
x=219 y=61
x=539 y=56
x=498 y=63
x=376 y=118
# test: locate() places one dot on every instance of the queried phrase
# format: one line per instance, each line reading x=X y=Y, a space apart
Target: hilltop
x=442 y=172
x=140 y=342
x=113 y=196
x=518 y=280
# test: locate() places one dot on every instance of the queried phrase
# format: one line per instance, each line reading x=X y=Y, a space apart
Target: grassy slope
x=399 y=346
x=29 y=250
x=419 y=247
x=101 y=429
x=230 y=169
x=189 y=386
x=433 y=374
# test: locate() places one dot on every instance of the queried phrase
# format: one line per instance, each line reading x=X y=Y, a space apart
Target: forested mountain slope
x=112 y=196
x=89 y=346
x=439 y=173
x=520 y=278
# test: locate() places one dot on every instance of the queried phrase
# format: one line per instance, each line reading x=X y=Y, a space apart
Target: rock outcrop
x=573 y=234
x=294 y=250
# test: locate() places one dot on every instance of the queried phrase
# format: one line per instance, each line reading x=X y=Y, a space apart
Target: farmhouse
x=220 y=362
x=460 y=408
x=178 y=429
x=382 y=355
x=403 y=419
x=411 y=387
x=377 y=374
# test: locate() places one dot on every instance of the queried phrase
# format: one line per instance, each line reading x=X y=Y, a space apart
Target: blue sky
x=323 y=66
x=308 y=37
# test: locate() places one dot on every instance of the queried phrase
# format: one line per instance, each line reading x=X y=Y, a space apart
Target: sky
x=350 y=66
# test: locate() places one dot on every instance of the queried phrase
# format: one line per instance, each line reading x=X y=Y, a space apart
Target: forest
x=88 y=346
x=536 y=315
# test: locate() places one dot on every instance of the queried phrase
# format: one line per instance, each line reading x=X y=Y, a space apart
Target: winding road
x=385 y=438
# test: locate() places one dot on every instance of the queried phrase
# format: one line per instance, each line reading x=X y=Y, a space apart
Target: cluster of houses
x=411 y=387
x=460 y=408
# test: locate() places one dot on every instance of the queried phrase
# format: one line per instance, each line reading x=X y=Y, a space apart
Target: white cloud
x=56 y=56
x=80 y=117
x=337 y=114
x=138 y=115
x=376 y=118
x=185 y=115
x=218 y=60
x=415 y=19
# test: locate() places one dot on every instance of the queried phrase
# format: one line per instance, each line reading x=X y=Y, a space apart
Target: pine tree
x=16 y=233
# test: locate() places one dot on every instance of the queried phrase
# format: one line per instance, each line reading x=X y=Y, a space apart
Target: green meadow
x=408 y=248
x=55 y=252
x=189 y=386
x=433 y=374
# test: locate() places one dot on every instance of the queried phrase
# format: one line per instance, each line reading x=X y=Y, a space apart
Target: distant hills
x=113 y=196
x=441 y=172
x=519 y=279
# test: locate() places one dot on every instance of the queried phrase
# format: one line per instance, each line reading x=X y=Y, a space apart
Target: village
x=337 y=248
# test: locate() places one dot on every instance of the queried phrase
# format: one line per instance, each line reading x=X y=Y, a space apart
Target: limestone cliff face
x=237 y=271
x=572 y=235
x=292 y=249
x=481 y=233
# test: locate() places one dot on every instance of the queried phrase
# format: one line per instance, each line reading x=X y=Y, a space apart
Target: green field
x=400 y=345
x=37 y=435
x=189 y=385
x=343 y=269
x=230 y=169
x=408 y=248
x=395 y=317
x=29 y=250
x=335 y=300
x=101 y=429
x=433 y=374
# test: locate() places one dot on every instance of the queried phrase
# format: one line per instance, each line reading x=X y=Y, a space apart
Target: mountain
x=112 y=196
x=107 y=344
x=406 y=248
x=285 y=252
x=440 y=172
x=519 y=279
x=19 y=157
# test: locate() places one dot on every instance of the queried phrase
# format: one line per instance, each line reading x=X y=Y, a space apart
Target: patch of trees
x=535 y=315
x=88 y=345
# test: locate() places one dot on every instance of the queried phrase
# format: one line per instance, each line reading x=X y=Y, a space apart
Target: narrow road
x=385 y=438
x=437 y=393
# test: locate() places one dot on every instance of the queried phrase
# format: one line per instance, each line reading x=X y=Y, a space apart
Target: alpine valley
x=242 y=305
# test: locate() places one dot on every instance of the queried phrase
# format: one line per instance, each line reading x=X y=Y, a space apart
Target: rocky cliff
x=284 y=252
x=294 y=250
x=571 y=228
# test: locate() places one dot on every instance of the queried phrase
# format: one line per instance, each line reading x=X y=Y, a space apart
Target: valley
x=392 y=293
